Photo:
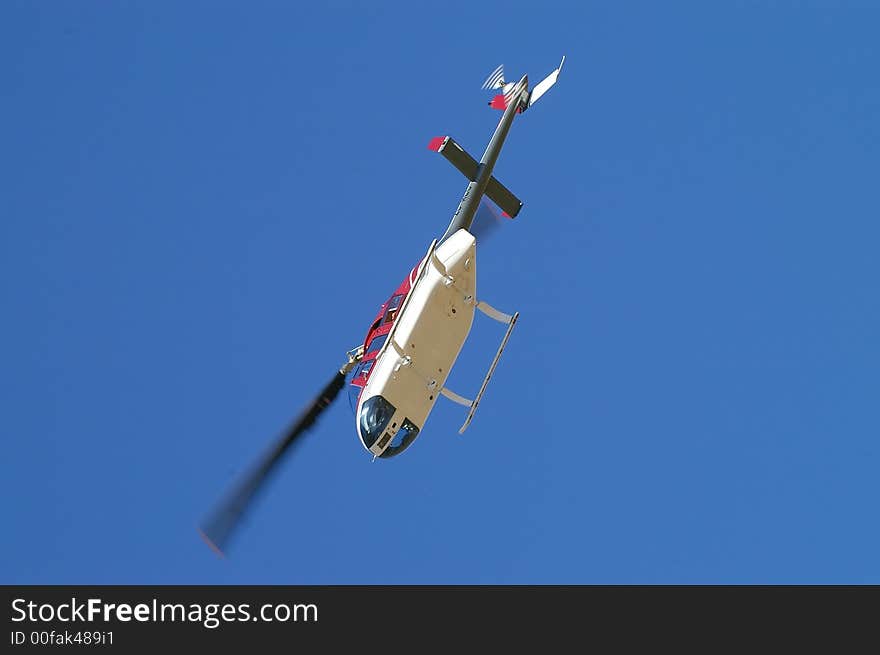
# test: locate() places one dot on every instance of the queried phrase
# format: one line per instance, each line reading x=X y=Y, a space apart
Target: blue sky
x=204 y=204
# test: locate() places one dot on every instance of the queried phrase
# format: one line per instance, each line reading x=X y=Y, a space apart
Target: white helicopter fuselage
x=429 y=331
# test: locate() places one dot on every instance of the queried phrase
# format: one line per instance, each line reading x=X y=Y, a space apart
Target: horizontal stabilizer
x=456 y=155
x=468 y=166
x=499 y=194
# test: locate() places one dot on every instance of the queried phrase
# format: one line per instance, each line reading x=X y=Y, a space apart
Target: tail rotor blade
x=495 y=79
x=220 y=525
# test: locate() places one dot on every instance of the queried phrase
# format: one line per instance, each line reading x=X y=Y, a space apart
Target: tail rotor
x=495 y=79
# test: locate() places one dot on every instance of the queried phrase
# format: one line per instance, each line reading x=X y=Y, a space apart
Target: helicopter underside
x=429 y=332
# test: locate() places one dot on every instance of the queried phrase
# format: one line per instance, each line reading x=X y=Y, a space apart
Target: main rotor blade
x=220 y=525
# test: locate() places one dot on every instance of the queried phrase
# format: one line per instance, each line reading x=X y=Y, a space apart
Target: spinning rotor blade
x=220 y=525
x=486 y=221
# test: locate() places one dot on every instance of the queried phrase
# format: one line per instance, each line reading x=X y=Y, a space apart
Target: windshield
x=354 y=394
x=359 y=378
x=375 y=414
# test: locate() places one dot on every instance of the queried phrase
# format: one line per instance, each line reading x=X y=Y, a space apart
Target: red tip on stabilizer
x=506 y=215
x=499 y=102
x=436 y=143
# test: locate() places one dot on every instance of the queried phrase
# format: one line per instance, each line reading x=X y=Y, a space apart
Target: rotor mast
x=470 y=201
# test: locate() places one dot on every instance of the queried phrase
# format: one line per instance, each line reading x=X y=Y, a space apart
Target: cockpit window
x=375 y=414
x=393 y=306
x=376 y=344
x=362 y=371
x=404 y=437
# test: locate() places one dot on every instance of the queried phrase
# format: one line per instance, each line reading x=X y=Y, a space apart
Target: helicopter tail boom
x=514 y=99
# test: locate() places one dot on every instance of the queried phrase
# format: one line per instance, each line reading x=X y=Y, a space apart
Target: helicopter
x=399 y=371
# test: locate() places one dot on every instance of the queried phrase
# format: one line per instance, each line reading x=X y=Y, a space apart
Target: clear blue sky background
x=204 y=203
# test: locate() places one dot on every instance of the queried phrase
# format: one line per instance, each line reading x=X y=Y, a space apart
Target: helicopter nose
x=375 y=414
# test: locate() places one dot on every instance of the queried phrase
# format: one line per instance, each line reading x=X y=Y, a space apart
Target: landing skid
x=501 y=317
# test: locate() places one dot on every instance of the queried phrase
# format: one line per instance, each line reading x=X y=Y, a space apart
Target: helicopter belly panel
x=427 y=337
